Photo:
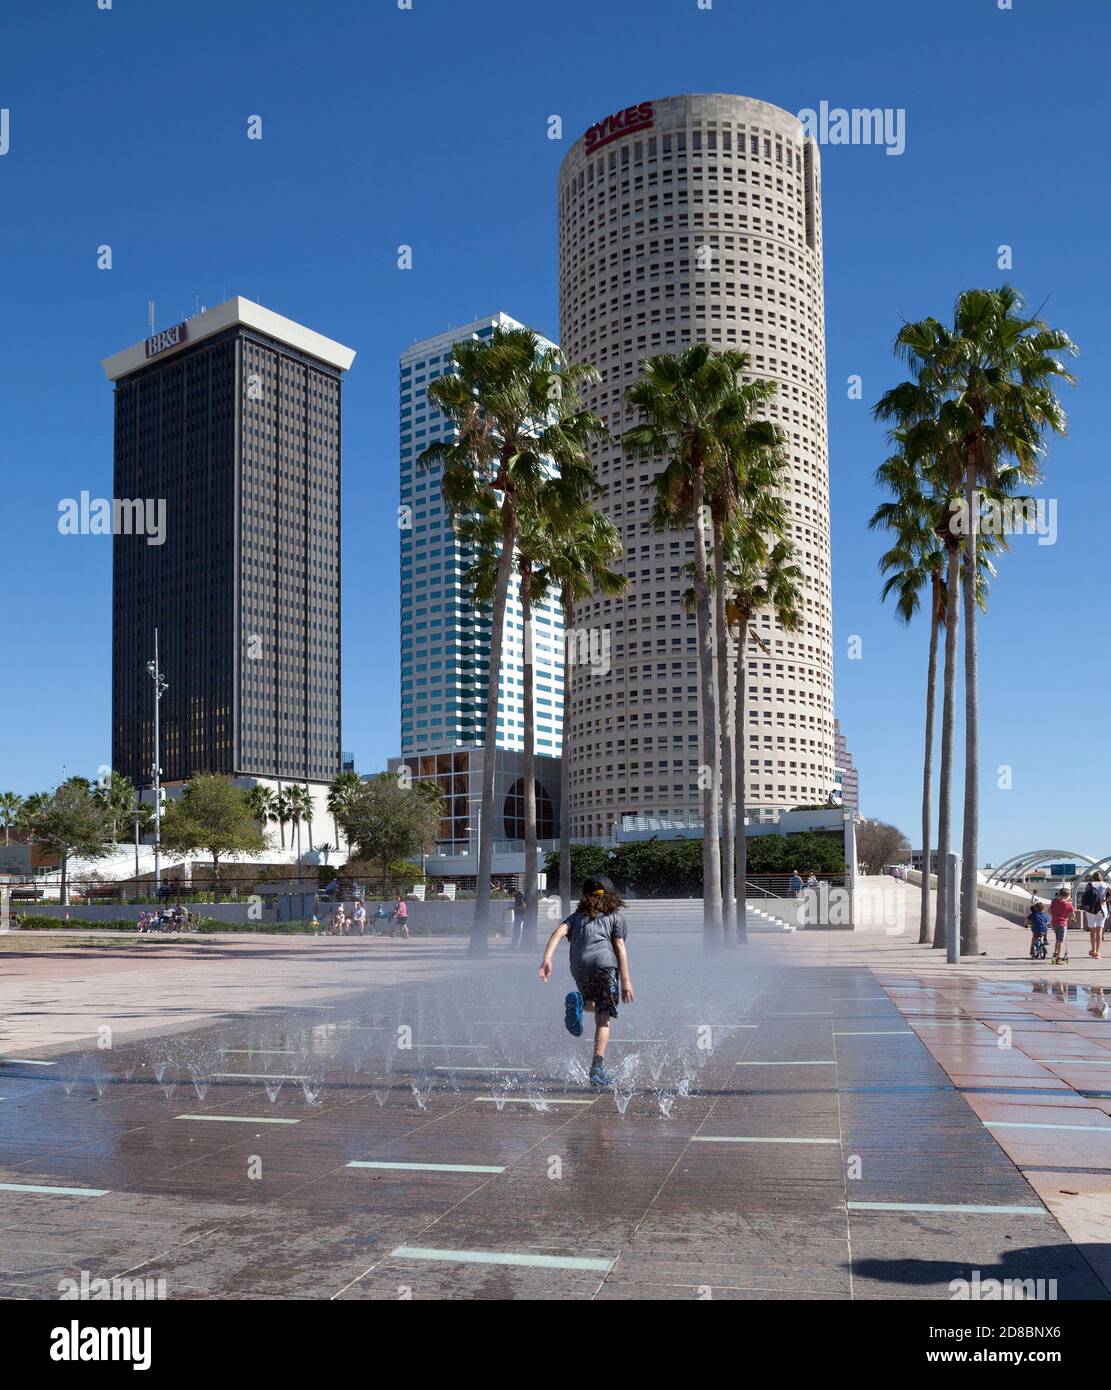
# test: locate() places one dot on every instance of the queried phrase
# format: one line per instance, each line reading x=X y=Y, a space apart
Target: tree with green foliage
x=517 y=417
x=384 y=820
x=117 y=794
x=984 y=388
x=340 y=790
x=578 y=863
x=215 y=815
x=10 y=802
x=72 y=823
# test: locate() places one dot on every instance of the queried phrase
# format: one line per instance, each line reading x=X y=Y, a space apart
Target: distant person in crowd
x=144 y=921
x=794 y=887
x=812 y=881
x=339 y=920
x=383 y=913
x=1093 y=902
x=314 y=924
x=358 y=918
x=1037 y=919
x=596 y=933
x=519 y=905
x=1061 y=913
x=401 y=915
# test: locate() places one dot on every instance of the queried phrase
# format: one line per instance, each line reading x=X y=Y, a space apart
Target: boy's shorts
x=1059 y=931
x=599 y=987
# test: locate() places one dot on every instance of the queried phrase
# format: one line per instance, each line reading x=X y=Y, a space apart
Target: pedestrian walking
x=1093 y=903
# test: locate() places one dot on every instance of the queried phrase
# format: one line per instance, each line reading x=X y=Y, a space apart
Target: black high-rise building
x=227 y=426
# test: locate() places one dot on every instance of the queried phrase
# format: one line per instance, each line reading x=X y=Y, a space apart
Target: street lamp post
x=155 y=673
x=137 y=860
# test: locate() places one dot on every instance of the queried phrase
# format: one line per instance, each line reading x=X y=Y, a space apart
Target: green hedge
x=673 y=868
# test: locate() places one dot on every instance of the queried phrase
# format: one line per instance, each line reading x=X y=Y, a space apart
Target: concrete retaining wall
x=107 y=912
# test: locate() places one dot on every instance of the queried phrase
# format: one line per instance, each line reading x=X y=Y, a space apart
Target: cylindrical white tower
x=682 y=220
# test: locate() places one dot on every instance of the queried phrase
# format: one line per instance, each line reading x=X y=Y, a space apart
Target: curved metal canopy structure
x=1019 y=866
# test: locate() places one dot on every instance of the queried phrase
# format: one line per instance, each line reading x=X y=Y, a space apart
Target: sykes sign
x=620 y=123
x=168 y=338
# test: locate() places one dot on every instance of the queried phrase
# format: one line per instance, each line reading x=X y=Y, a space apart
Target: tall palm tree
x=578 y=560
x=517 y=418
x=749 y=443
x=10 y=802
x=915 y=562
x=546 y=519
x=340 y=791
x=687 y=403
x=988 y=384
x=759 y=575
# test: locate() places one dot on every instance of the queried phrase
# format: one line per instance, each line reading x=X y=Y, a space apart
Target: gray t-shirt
x=591 y=940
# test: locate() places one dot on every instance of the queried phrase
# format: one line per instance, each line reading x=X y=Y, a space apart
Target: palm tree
x=340 y=791
x=760 y=575
x=283 y=811
x=987 y=386
x=260 y=798
x=517 y=418
x=546 y=521
x=299 y=804
x=10 y=802
x=117 y=795
x=914 y=562
x=750 y=442
x=687 y=404
x=578 y=559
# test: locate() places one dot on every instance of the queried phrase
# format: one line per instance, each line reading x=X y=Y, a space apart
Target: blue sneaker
x=573 y=1014
x=599 y=1076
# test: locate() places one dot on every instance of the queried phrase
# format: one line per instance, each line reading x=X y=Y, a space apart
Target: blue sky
x=428 y=127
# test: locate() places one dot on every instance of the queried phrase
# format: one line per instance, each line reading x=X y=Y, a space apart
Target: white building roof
x=233 y=311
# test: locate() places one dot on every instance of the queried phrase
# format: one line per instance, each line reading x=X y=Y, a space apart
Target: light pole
x=155 y=673
x=137 y=860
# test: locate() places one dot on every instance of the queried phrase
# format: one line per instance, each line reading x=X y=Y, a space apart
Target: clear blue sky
x=429 y=127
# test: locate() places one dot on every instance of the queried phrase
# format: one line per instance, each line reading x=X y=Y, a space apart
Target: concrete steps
x=685 y=915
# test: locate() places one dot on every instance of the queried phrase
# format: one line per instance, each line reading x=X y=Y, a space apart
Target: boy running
x=596 y=931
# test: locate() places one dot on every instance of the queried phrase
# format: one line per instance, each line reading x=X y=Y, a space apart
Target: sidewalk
x=827 y=1115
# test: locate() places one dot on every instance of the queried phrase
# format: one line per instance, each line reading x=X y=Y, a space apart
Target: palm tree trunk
x=528 y=761
x=708 y=772
x=740 y=858
x=64 y=893
x=565 y=769
x=480 y=931
x=725 y=725
x=928 y=758
x=970 y=938
x=948 y=720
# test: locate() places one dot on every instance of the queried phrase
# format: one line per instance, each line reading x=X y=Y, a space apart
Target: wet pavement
x=788 y=1123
